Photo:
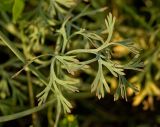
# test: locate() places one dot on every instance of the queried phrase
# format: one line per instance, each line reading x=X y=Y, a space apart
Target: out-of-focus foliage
x=145 y=21
x=63 y=47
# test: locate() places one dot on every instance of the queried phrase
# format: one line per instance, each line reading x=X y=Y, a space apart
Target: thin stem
x=49 y=116
x=25 y=113
x=83 y=13
x=58 y=114
x=105 y=45
x=88 y=61
x=93 y=51
x=35 y=120
x=58 y=46
x=21 y=57
x=12 y=47
x=30 y=62
x=64 y=35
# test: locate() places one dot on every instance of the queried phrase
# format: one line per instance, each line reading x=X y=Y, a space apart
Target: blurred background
x=138 y=20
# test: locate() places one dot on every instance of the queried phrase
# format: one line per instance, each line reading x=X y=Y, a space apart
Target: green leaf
x=57 y=6
x=135 y=64
x=99 y=84
x=17 y=9
x=114 y=68
x=110 y=21
x=6 y=5
x=90 y=36
x=4 y=90
x=110 y=25
x=70 y=63
x=121 y=89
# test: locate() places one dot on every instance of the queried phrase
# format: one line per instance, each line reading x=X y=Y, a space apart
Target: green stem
x=58 y=114
x=49 y=116
x=12 y=47
x=21 y=57
x=35 y=120
x=93 y=51
x=84 y=13
x=25 y=113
